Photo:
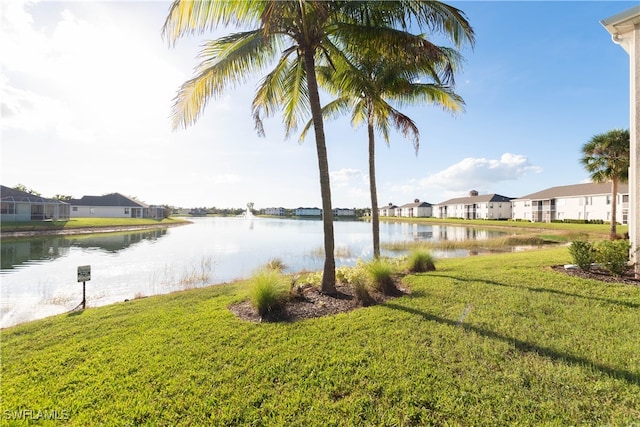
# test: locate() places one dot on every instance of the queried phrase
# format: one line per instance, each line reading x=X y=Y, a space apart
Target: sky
x=86 y=90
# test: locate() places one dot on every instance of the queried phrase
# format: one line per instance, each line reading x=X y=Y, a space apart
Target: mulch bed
x=600 y=274
x=312 y=303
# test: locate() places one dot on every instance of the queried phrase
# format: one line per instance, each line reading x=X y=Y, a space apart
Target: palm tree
x=365 y=85
x=606 y=157
x=297 y=35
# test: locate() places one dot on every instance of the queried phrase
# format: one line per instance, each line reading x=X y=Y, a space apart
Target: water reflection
x=39 y=274
x=18 y=252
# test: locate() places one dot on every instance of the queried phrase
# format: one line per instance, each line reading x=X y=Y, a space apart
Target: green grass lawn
x=76 y=223
x=490 y=340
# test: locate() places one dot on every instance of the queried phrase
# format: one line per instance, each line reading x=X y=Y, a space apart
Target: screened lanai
x=16 y=205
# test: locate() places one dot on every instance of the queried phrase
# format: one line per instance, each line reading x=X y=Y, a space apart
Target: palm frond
x=188 y=17
x=224 y=62
x=333 y=109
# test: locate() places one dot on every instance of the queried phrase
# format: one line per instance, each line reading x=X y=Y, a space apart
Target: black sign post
x=84 y=275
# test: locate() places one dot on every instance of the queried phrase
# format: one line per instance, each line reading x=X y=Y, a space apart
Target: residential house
x=389 y=210
x=475 y=206
x=113 y=205
x=308 y=212
x=417 y=209
x=589 y=201
x=16 y=205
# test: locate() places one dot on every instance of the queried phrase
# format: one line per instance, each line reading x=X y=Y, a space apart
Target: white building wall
x=593 y=207
x=103 y=212
x=521 y=209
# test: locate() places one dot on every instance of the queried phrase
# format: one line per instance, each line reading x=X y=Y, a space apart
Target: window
x=7 y=208
x=608 y=200
x=126 y=211
x=92 y=211
x=74 y=209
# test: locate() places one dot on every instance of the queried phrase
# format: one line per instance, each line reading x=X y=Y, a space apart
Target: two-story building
x=589 y=202
x=307 y=212
x=274 y=211
x=389 y=210
x=475 y=206
x=417 y=209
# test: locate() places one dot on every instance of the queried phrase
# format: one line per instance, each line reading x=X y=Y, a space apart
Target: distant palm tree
x=606 y=157
x=296 y=35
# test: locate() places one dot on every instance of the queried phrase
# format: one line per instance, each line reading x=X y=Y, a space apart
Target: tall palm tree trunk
x=329 y=272
x=614 y=208
x=375 y=218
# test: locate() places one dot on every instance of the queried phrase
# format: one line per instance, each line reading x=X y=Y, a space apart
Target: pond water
x=39 y=275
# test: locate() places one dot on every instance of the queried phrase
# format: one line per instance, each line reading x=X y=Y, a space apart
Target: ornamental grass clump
x=421 y=261
x=276 y=264
x=613 y=255
x=267 y=291
x=583 y=254
x=381 y=274
x=361 y=292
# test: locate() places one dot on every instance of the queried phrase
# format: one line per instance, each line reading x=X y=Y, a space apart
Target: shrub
x=421 y=261
x=613 y=255
x=583 y=254
x=267 y=291
x=381 y=275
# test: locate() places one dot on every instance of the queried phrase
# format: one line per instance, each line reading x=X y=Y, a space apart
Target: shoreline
x=87 y=230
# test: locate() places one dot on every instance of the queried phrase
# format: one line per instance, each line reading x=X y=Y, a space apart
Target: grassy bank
x=84 y=223
x=593 y=230
x=490 y=340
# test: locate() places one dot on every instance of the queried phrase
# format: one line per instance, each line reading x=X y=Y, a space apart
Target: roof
x=482 y=198
x=417 y=204
x=8 y=194
x=623 y=21
x=575 y=190
x=113 y=199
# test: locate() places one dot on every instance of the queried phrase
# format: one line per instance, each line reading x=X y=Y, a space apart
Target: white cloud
x=347 y=177
x=107 y=79
x=484 y=175
x=480 y=172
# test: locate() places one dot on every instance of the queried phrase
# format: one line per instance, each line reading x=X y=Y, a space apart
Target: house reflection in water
x=16 y=252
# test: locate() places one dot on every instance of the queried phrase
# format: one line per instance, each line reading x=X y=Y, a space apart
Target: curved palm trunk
x=329 y=272
x=614 y=207
x=375 y=220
